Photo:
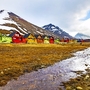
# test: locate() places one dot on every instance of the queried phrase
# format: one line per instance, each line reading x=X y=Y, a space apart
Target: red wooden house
x=51 y=39
x=66 y=40
x=17 y=37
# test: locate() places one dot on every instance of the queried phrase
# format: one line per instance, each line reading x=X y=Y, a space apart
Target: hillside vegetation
x=4 y=31
x=17 y=59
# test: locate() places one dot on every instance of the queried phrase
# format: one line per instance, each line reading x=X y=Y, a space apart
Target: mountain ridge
x=12 y=22
x=81 y=36
x=56 y=30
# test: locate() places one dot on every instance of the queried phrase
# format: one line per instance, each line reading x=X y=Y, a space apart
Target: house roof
x=38 y=35
x=12 y=34
x=26 y=35
x=45 y=36
x=50 y=36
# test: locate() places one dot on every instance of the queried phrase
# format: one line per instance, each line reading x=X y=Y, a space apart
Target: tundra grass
x=17 y=59
x=82 y=82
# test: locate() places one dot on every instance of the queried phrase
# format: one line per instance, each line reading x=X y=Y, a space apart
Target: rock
x=5 y=69
x=51 y=77
x=23 y=83
x=8 y=68
x=86 y=77
x=42 y=66
x=68 y=88
x=79 y=88
x=2 y=72
x=86 y=64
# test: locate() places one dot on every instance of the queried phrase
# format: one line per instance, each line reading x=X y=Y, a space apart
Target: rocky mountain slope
x=11 y=22
x=56 y=30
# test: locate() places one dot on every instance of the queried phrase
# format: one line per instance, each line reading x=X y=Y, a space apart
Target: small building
x=46 y=39
x=0 y=37
x=62 y=40
x=17 y=37
x=30 y=38
x=51 y=39
x=57 y=41
x=5 y=39
x=66 y=40
x=39 y=38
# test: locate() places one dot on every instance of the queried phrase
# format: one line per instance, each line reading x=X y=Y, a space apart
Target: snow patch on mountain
x=5 y=19
x=7 y=28
x=39 y=32
x=52 y=28
x=56 y=30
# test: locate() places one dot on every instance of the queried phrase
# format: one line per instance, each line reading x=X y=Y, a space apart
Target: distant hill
x=81 y=36
x=57 y=31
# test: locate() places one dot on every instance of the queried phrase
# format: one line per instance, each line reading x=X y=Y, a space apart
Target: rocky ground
x=80 y=83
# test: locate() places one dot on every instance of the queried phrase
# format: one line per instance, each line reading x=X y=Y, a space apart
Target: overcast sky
x=72 y=16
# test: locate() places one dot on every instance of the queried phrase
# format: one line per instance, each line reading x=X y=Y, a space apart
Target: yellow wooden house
x=30 y=38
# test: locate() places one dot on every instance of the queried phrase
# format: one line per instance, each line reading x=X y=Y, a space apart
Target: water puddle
x=51 y=78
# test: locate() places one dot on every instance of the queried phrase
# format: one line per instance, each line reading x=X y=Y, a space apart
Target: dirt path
x=51 y=78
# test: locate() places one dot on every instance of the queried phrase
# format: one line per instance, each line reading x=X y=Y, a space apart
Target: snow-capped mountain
x=11 y=22
x=7 y=23
x=82 y=36
x=56 y=30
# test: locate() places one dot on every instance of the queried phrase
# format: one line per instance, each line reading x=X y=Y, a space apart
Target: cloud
x=86 y=17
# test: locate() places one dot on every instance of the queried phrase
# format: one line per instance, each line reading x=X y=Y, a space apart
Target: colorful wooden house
x=5 y=39
x=30 y=38
x=0 y=37
x=46 y=39
x=51 y=39
x=39 y=38
x=57 y=41
x=66 y=40
x=17 y=37
x=62 y=40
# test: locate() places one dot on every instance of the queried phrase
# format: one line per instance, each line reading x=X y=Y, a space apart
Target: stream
x=51 y=78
